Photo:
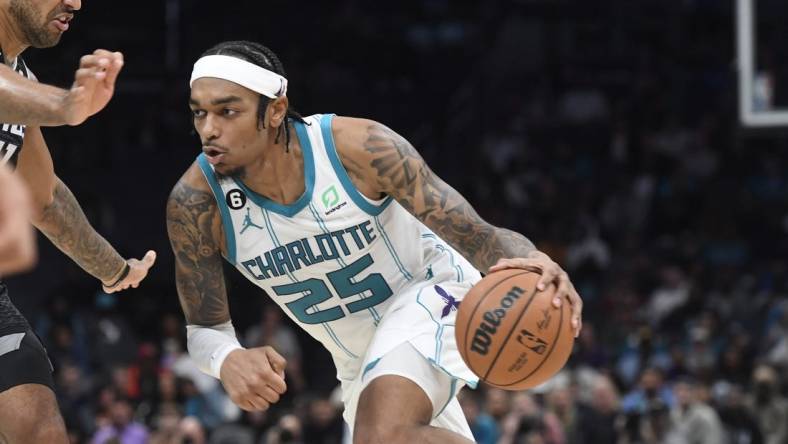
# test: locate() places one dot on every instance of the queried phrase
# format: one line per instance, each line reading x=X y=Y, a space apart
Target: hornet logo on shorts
x=451 y=303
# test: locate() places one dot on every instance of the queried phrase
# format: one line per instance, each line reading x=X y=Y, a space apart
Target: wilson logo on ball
x=491 y=320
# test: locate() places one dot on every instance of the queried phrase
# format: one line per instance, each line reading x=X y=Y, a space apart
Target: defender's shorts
x=23 y=360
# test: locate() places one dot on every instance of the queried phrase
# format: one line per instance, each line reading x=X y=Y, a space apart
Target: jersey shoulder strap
x=221 y=201
x=369 y=206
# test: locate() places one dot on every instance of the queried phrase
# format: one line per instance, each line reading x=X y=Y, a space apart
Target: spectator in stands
x=122 y=427
x=769 y=406
x=693 y=421
x=483 y=426
x=601 y=420
x=528 y=422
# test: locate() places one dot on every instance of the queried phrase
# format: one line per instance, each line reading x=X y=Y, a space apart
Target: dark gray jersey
x=12 y=138
x=12 y=135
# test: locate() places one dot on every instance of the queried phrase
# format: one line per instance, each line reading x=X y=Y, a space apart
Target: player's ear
x=277 y=110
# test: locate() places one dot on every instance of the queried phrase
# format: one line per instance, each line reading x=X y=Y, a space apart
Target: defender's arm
x=58 y=215
x=27 y=102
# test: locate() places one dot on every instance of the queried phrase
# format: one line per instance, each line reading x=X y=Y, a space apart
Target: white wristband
x=209 y=346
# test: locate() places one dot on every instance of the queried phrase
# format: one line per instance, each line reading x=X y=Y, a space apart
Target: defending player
x=28 y=410
x=342 y=223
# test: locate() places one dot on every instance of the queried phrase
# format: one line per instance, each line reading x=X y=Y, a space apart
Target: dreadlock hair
x=260 y=55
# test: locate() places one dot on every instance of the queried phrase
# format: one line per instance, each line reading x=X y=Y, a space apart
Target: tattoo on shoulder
x=198 y=263
x=396 y=161
x=401 y=172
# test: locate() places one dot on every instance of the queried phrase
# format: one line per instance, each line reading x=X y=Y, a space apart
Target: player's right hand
x=93 y=87
x=254 y=378
x=138 y=269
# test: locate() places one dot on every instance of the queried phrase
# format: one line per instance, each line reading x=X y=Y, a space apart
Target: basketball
x=510 y=334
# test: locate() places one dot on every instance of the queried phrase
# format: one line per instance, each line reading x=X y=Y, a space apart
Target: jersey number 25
x=316 y=291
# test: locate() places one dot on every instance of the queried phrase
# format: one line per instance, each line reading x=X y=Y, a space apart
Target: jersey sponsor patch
x=331 y=200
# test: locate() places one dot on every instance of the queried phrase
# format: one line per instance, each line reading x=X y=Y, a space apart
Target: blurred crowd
x=606 y=132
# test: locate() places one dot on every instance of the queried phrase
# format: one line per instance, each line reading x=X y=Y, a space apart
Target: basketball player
x=28 y=410
x=342 y=223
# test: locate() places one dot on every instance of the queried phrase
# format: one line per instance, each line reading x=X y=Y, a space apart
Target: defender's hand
x=94 y=85
x=138 y=269
x=254 y=378
x=551 y=272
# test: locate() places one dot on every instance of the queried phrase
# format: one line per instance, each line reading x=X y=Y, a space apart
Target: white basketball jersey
x=333 y=260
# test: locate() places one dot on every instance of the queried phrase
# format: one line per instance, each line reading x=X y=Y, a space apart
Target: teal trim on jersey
x=309 y=180
x=218 y=193
x=393 y=252
x=369 y=367
x=276 y=242
x=322 y=224
x=452 y=394
x=339 y=169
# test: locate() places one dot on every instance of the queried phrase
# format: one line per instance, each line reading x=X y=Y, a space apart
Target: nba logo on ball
x=531 y=342
x=510 y=334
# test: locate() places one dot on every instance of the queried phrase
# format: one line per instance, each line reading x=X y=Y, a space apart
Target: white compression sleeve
x=209 y=346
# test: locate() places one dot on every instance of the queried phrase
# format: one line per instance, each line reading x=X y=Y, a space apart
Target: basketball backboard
x=757 y=107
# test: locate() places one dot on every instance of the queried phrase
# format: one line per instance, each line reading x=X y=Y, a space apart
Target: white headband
x=248 y=75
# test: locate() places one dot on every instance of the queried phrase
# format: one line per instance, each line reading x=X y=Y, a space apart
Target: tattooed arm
x=194 y=225
x=57 y=214
x=388 y=164
x=380 y=161
x=253 y=378
x=65 y=224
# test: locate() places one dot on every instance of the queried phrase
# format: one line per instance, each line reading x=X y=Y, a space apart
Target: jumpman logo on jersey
x=451 y=303
x=248 y=222
x=430 y=274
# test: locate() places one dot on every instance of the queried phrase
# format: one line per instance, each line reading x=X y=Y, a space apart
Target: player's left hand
x=551 y=273
x=138 y=269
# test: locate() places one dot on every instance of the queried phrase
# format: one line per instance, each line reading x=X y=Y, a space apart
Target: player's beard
x=33 y=25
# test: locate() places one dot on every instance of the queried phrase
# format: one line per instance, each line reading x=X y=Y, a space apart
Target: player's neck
x=279 y=174
x=11 y=42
